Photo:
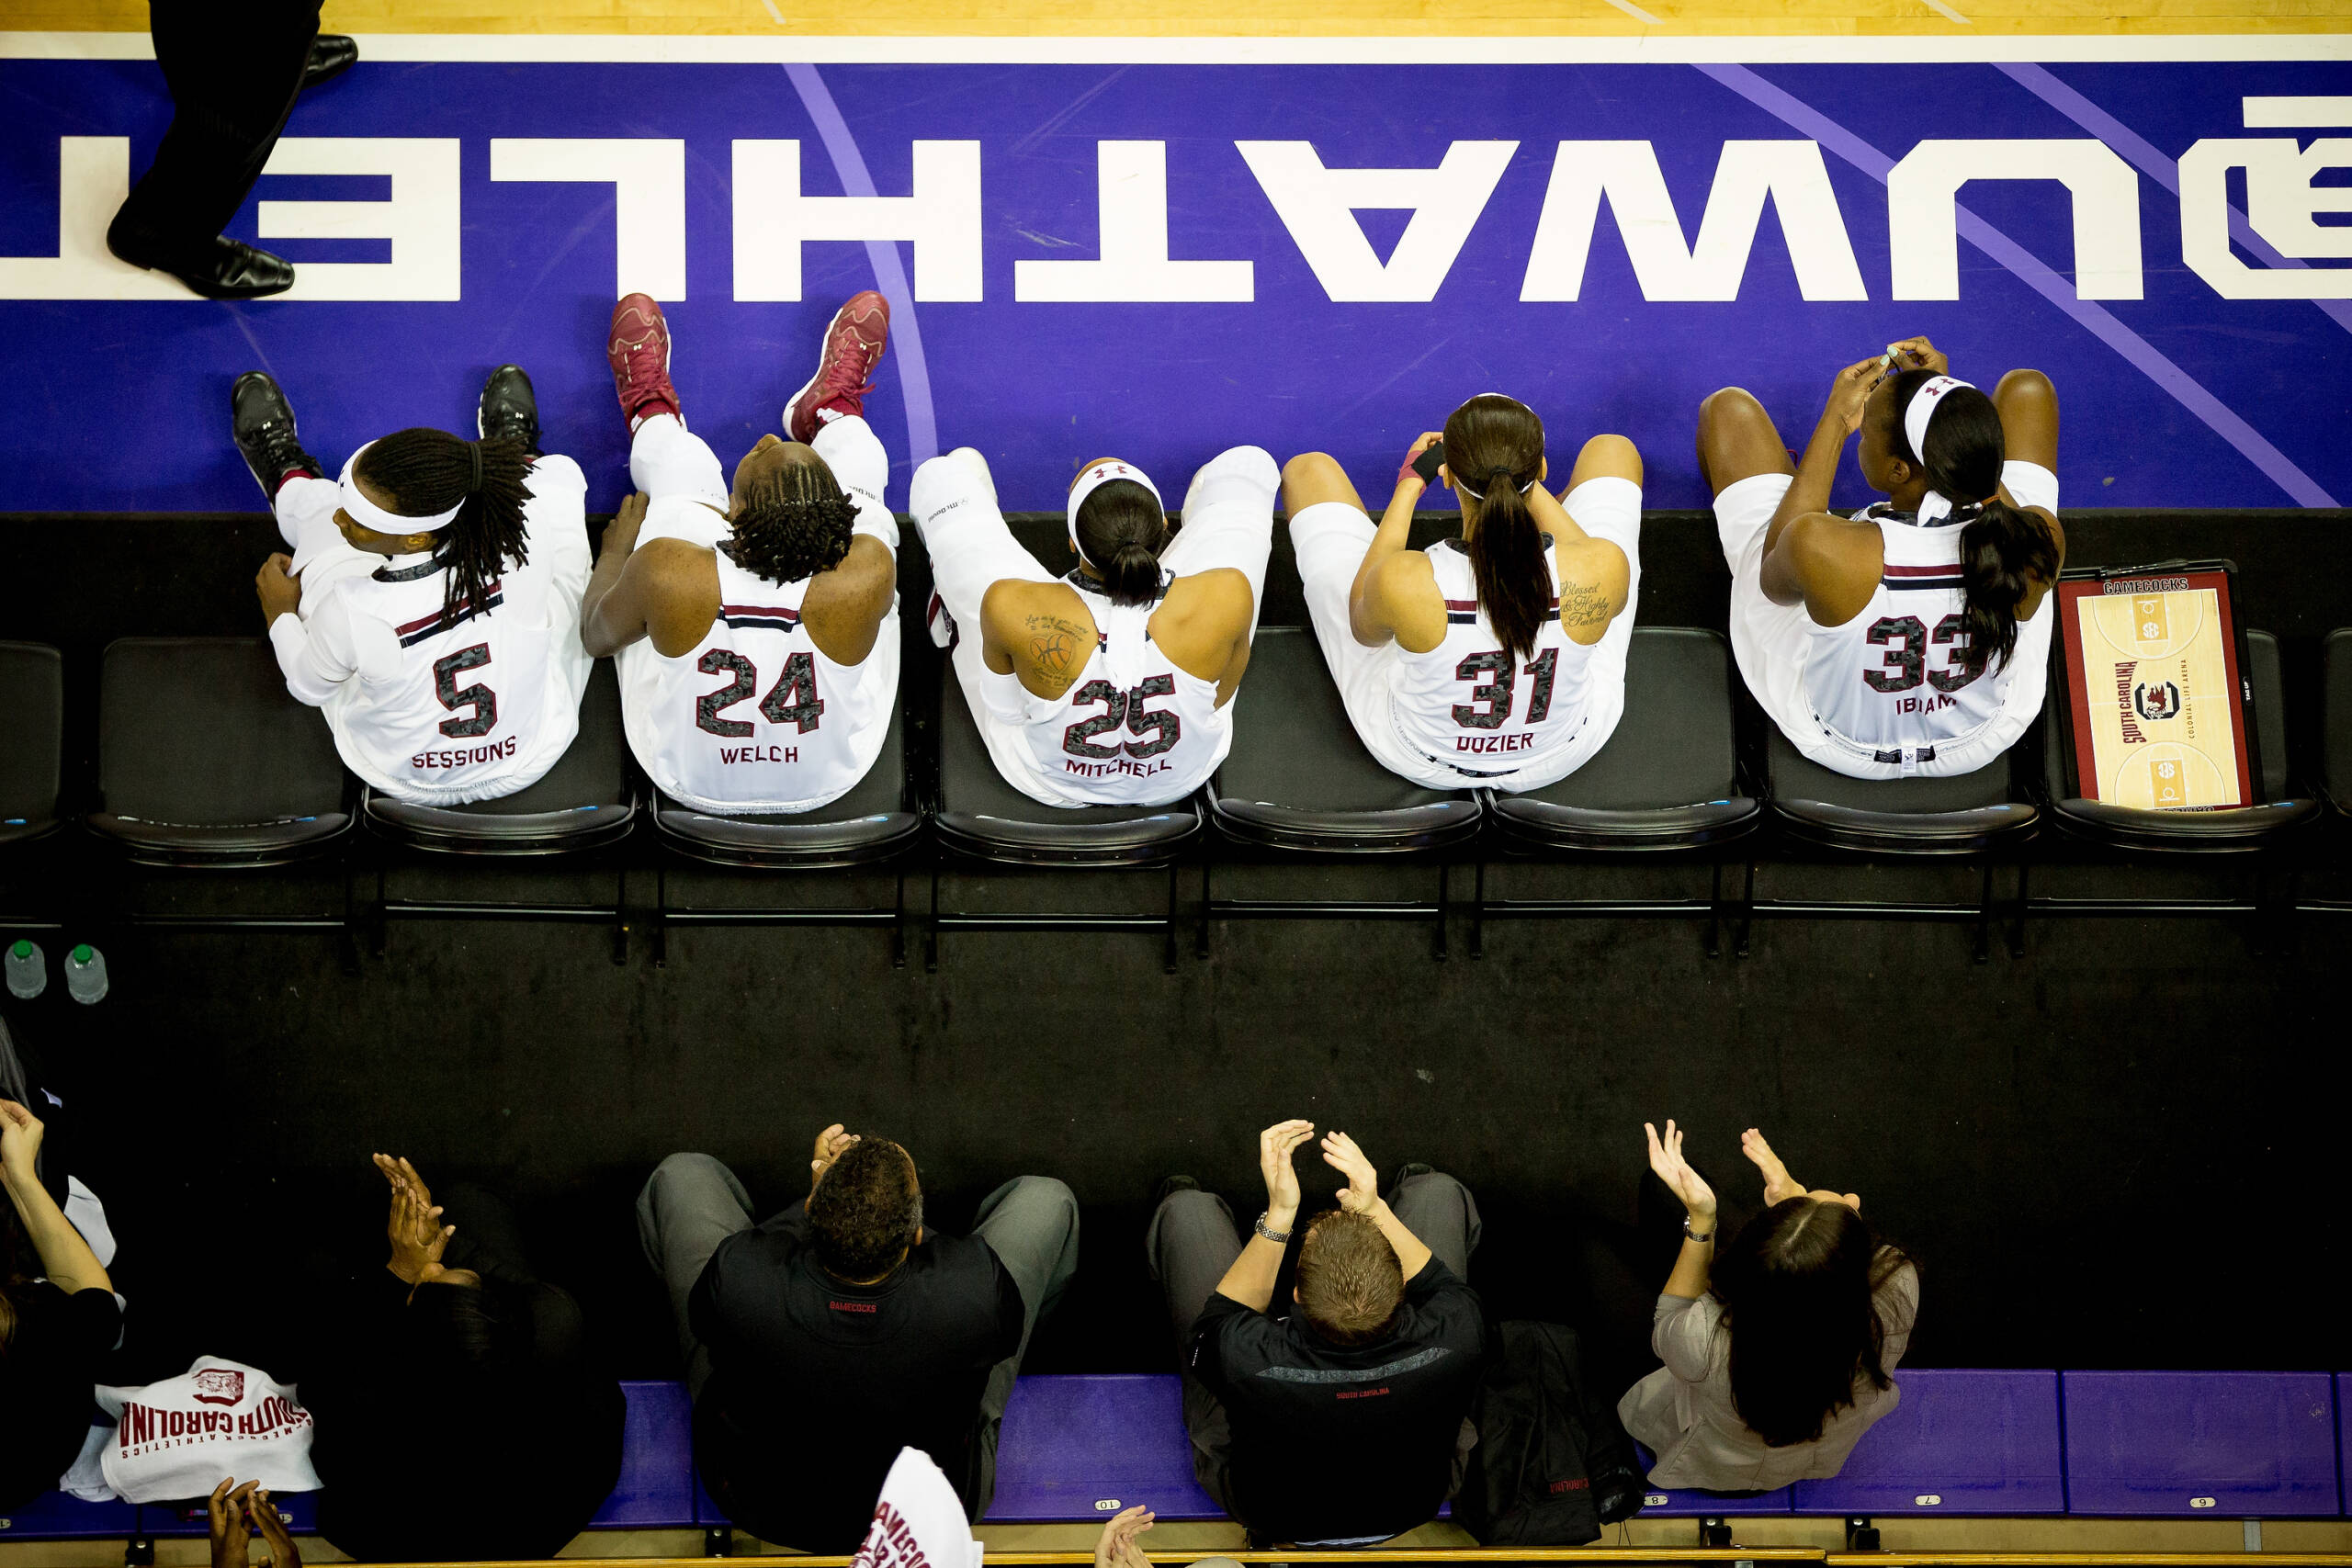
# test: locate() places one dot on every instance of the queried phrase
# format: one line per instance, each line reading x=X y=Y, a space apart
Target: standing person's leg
x=1442 y=1214
x=234 y=83
x=1190 y=1243
x=1229 y=521
x=1031 y=1224
x=690 y=1204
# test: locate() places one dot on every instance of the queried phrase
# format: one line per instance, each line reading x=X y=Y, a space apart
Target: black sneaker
x=262 y=422
x=509 y=410
x=1174 y=1184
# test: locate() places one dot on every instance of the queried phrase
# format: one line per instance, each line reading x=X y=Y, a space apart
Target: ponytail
x=2001 y=555
x=424 y=471
x=2004 y=549
x=1121 y=531
x=1507 y=557
x=1494 y=449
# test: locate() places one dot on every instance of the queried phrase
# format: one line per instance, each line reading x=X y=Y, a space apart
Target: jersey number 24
x=792 y=700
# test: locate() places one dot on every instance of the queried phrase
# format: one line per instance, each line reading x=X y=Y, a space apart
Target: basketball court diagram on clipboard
x=2158 y=708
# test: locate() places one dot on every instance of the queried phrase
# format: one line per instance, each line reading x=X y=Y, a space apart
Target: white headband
x=1922 y=408
x=1101 y=474
x=367 y=514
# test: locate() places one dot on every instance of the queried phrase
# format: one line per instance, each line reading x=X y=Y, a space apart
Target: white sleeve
x=2030 y=484
x=319 y=653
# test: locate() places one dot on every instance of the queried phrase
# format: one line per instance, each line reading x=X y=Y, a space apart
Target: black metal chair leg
x=1201 y=942
x=1746 y=912
x=1439 y=954
x=1479 y=911
x=381 y=919
x=931 y=927
x=346 y=944
x=660 y=912
x=1984 y=917
x=1715 y=910
x=1167 y=954
x=899 y=923
x=2016 y=927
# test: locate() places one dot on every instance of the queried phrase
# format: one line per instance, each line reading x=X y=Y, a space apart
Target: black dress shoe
x=218 y=269
x=509 y=410
x=263 y=422
x=332 y=54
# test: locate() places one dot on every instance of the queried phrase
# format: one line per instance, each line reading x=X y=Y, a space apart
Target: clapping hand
x=20 y=1137
x=1361 y=1194
x=1779 y=1186
x=414 y=1227
x=234 y=1512
x=1666 y=1158
x=1117 y=1549
x=1275 y=1145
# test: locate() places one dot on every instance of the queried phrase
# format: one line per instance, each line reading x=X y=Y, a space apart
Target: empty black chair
x=878 y=819
x=1985 y=818
x=32 y=716
x=206 y=761
x=1299 y=781
x=979 y=816
x=2241 y=831
x=1666 y=782
x=2335 y=718
x=585 y=802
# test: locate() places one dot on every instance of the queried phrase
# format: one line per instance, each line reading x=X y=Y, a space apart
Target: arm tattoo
x=1056 y=649
x=1581 y=605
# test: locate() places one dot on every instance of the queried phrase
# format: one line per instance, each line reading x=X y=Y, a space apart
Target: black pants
x=234 y=73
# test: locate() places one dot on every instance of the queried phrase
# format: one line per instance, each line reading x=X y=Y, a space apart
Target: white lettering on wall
x=1922 y=200
x=1131 y=186
x=648 y=180
x=422 y=219
x=772 y=219
x=93 y=176
x=1791 y=173
x=1317 y=205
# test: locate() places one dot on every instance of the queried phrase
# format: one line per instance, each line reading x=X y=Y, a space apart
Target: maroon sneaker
x=844 y=369
x=639 y=351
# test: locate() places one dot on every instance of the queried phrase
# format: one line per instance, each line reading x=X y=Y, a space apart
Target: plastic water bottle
x=27 y=970
x=85 y=974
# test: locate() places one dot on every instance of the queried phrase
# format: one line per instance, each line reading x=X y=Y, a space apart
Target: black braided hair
x=422 y=471
x=790 y=522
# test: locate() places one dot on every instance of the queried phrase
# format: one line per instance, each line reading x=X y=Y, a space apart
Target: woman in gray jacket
x=1779 y=1351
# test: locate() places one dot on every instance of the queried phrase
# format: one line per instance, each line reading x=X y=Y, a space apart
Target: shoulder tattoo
x=1056 y=649
x=1584 y=605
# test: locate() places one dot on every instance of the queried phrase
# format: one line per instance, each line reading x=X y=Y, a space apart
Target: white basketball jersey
x=470 y=706
x=1891 y=681
x=1133 y=729
x=1468 y=704
x=756 y=718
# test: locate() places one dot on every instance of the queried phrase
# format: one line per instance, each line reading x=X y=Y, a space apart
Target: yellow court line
x=1923 y=20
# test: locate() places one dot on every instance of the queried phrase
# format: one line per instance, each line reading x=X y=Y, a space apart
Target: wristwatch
x=1263 y=1229
x=1695 y=1235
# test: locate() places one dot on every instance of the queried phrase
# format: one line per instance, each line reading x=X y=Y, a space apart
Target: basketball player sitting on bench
x=1114 y=685
x=1907 y=638
x=432 y=605
x=1338 y=1424
x=756 y=623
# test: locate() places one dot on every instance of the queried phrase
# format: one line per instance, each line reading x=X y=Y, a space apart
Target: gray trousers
x=1192 y=1241
x=692 y=1202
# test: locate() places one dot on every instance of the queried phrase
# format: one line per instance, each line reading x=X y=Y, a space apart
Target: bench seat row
x=1076 y=1448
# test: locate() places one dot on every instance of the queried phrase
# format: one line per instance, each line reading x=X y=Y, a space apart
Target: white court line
x=1940 y=9
x=1652 y=49
x=1637 y=12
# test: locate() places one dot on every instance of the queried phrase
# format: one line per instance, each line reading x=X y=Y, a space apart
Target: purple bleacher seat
x=55 y=1516
x=2344 y=1438
x=1958 y=1442
x=656 y=1489
x=1688 y=1502
x=2229 y=1443
x=1081 y=1448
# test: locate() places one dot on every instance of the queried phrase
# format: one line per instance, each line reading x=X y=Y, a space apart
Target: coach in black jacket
x=1340 y=1423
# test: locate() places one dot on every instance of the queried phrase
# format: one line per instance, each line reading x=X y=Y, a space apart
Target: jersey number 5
x=792 y=700
x=1123 y=708
x=1906 y=666
x=483 y=701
